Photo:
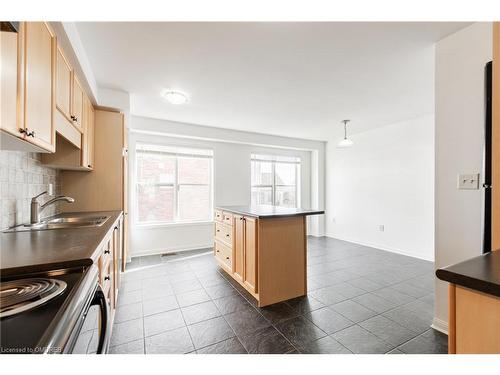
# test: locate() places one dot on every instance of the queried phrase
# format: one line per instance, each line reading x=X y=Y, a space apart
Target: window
x=173 y=184
x=275 y=180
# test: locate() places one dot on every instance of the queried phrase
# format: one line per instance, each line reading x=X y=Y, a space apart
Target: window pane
x=262 y=195
x=285 y=196
x=155 y=203
x=262 y=173
x=194 y=202
x=155 y=168
x=194 y=170
x=285 y=174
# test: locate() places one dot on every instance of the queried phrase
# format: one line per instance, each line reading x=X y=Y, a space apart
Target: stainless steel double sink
x=68 y=222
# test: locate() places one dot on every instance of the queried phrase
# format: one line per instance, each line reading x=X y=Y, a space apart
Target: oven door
x=93 y=332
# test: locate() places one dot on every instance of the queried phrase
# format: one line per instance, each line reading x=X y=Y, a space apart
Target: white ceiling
x=290 y=79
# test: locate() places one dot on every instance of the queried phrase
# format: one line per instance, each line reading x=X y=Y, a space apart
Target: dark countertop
x=269 y=212
x=481 y=273
x=37 y=251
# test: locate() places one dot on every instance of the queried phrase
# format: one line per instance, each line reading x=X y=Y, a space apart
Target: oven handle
x=100 y=300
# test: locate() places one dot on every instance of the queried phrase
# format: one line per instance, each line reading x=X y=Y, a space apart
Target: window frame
x=273 y=185
x=175 y=185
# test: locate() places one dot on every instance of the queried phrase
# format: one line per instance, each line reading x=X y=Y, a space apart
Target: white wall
x=460 y=61
x=232 y=150
x=385 y=178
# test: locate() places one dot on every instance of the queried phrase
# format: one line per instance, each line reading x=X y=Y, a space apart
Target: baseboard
x=380 y=247
x=171 y=250
x=317 y=235
x=440 y=325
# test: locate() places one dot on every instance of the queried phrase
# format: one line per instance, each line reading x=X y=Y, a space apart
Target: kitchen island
x=264 y=248
x=474 y=304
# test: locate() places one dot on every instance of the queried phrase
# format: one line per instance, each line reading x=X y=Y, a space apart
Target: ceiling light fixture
x=175 y=97
x=345 y=142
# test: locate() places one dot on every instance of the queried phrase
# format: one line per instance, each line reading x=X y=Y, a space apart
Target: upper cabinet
x=78 y=104
x=28 y=80
x=74 y=121
x=71 y=155
x=44 y=107
x=39 y=87
x=63 y=85
x=9 y=45
x=88 y=135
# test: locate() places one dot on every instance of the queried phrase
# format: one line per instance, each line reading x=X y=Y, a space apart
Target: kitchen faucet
x=36 y=208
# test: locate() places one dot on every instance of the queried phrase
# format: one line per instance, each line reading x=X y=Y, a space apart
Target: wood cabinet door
x=88 y=135
x=239 y=246
x=39 y=84
x=63 y=85
x=250 y=254
x=9 y=59
x=117 y=245
x=78 y=104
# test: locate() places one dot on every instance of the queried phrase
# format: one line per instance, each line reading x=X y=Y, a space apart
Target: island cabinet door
x=239 y=246
x=250 y=263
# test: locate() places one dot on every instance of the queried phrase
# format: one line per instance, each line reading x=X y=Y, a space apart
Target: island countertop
x=269 y=212
x=481 y=273
x=38 y=251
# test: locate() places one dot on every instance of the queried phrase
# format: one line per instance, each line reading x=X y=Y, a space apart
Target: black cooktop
x=21 y=333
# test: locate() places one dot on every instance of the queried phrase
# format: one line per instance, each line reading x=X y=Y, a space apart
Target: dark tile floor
x=360 y=300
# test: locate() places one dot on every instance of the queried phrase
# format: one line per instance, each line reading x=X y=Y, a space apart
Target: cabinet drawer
x=227 y=218
x=224 y=233
x=218 y=216
x=223 y=253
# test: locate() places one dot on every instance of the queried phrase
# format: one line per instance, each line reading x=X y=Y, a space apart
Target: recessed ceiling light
x=175 y=97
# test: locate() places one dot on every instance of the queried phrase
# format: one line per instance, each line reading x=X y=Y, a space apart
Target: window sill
x=173 y=225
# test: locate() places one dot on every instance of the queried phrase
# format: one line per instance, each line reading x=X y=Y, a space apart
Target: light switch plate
x=468 y=181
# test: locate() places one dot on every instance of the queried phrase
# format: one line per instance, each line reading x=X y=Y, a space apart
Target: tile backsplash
x=22 y=176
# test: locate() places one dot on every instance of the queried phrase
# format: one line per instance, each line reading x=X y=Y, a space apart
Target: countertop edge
x=469 y=282
x=270 y=216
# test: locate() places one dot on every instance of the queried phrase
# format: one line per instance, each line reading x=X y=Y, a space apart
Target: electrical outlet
x=381 y=227
x=468 y=181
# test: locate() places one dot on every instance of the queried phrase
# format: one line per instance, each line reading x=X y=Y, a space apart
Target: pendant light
x=345 y=142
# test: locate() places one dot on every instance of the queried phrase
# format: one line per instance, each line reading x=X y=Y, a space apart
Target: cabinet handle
x=227 y=235
x=218 y=230
x=106 y=251
x=30 y=134
x=22 y=131
x=89 y=166
x=216 y=251
x=227 y=258
x=107 y=278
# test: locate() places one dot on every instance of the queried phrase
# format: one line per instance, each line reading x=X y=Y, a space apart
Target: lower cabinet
x=266 y=256
x=474 y=322
x=109 y=263
x=250 y=253
x=239 y=247
x=235 y=248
